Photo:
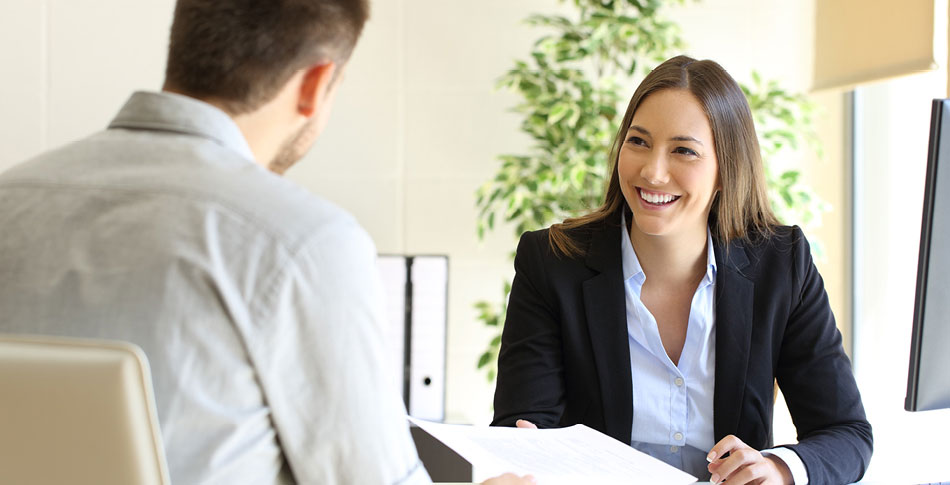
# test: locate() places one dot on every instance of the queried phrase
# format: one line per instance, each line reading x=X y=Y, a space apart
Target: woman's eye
x=686 y=151
x=636 y=140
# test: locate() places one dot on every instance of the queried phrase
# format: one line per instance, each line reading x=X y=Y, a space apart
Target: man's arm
x=318 y=350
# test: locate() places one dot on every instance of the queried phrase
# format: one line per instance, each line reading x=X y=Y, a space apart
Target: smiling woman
x=664 y=317
x=668 y=176
x=718 y=111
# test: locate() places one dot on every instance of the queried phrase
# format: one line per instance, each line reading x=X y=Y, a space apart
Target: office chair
x=77 y=411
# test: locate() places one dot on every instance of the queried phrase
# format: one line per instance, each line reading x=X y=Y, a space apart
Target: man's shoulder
x=300 y=217
x=189 y=172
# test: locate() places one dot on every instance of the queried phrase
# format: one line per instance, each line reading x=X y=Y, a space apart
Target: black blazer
x=565 y=358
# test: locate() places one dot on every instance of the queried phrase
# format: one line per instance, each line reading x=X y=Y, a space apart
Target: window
x=891 y=132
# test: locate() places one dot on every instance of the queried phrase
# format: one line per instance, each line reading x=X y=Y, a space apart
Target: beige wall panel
x=361 y=138
x=377 y=62
x=773 y=37
x=464 y=46
x=440 y=219
x=460 y=135
x=373 y=200
x=23 y=69
x=101 y=51
x=468 y=392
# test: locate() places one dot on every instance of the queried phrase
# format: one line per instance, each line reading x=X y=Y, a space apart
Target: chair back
x=77 y=411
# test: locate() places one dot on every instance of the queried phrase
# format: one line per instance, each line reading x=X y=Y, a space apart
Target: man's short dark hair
x=239 y=53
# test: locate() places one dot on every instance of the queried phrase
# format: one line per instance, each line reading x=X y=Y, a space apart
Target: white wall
x=67 y=65
x=416 y=128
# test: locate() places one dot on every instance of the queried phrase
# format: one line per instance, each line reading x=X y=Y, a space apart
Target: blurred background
x=419 y=124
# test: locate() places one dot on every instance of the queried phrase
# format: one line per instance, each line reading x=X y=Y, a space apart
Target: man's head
x=241 y=52
x=246 y=55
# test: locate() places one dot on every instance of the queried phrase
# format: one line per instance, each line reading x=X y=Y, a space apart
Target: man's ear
x=314 y=86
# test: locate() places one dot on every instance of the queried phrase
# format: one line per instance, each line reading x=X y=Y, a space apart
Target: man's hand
x=745 y=465
x=511 y=479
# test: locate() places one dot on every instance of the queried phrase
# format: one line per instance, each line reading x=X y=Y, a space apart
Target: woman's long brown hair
x=741 y=209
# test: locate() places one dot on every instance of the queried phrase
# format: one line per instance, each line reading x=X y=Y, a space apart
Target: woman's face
x=668 y=167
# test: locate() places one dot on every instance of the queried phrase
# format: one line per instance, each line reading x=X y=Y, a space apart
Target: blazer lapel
x=734 y=302
x=604 y=304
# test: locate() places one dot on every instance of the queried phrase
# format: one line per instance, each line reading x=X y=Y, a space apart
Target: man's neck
x=262 y=134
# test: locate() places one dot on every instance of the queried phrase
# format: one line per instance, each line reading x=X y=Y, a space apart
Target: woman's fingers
x=743 y=465
x=724 y=446
x=523 y=423
x=737 y=460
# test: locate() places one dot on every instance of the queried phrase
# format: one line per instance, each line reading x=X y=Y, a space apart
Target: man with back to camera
x=257 y=304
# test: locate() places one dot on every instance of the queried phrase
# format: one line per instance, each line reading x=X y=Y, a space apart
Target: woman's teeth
x=656 y=198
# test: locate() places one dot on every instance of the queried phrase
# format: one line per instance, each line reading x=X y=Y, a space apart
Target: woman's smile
x=656 y=200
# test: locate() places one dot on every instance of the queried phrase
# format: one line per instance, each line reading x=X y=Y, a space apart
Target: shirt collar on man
x=631 y=264
x=164 y=111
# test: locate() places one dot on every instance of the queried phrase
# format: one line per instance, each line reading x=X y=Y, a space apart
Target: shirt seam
x=192 y=195
x=172 y=128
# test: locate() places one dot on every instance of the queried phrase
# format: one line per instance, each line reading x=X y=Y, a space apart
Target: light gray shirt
x=257 y=304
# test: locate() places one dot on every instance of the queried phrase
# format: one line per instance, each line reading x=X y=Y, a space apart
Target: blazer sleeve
x=530 y=382
x=835 y=441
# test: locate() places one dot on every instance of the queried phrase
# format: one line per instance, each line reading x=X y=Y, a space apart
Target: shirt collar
x=164 y=111
x=631 y=264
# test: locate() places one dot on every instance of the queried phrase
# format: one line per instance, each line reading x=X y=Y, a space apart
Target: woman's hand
x=523 y=423
x=510 y=479
x=745 y=465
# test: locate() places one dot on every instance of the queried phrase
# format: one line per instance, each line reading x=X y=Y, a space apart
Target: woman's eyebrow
x=646 y=132
x=685 y=138
x=640 y=129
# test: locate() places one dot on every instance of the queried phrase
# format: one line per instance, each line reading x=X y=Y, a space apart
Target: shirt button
x=679 y=381
x=674 y=448
x=678 y=436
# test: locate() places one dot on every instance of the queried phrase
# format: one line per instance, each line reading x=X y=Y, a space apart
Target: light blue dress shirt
x=673 y=404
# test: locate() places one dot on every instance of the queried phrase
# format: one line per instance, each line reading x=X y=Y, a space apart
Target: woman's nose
x=655 y=170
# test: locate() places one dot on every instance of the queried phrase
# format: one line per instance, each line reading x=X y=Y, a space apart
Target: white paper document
x=577 y=454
